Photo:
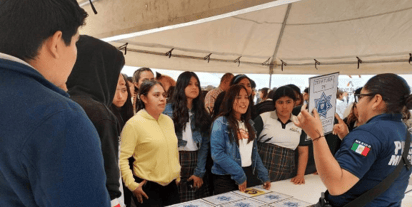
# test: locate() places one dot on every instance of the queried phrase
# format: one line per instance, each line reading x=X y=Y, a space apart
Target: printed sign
x=322 y=96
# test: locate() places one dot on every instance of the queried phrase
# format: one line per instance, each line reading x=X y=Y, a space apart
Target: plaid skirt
x=188 y=162
x=279 y=161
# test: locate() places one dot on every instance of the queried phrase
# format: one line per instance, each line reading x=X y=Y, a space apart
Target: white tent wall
x=335 y=33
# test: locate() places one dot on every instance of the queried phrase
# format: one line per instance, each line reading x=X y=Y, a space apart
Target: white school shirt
x=187 y=136
x=275 y=132
x=245 y=148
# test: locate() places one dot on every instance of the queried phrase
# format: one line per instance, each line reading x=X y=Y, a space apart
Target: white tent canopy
x=339 y=35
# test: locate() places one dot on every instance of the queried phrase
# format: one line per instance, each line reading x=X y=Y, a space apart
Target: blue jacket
x=49 y=150
x=202 y=142
x=226 y=155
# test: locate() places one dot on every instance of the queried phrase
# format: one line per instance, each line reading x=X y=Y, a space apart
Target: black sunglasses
x=359 y=96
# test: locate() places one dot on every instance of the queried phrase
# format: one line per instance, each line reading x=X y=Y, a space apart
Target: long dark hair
x=136 y=78
x=239 y=78
x=218 y=104
x=352 y=117
x=180 y=110
x=144 y=90
x=265 y=93
x=227 y=111
x=124 y=113
x=395 y=92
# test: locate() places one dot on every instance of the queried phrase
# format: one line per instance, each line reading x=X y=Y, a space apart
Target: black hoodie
x=92 y=84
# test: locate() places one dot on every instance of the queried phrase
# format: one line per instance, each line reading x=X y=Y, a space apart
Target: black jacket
x=92 y=84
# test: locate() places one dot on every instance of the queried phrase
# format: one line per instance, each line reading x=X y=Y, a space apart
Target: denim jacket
x=201 y=141
x=226 y=155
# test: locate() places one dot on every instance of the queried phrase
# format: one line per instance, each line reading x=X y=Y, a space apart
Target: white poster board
x=322 y=96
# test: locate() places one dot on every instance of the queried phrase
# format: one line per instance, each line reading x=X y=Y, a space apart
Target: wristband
x=314 y=139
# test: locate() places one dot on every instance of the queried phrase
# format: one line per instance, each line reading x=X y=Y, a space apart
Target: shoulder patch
x=361 y=148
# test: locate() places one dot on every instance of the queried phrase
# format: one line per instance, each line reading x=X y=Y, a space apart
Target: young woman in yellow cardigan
x=150 y=138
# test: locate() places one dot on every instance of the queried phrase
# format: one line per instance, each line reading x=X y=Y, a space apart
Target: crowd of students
x=261 y=138
x=76 y=132
x=261 y=146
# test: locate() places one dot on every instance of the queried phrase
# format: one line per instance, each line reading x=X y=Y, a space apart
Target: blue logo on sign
x=272 y=197
x=242 y=204
x=223 y=198
x=323 y=104
x=291 y=204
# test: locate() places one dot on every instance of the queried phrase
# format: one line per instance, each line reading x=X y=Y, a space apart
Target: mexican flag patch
x=361 y=148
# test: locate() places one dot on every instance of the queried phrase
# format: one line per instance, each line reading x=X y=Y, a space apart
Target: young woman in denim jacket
x=237 y=164
x=192 y=124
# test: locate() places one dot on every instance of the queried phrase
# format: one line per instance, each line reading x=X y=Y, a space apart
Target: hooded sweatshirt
x=92 y=84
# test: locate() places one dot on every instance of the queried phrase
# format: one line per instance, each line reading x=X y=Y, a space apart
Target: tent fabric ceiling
x=339 y=34
x=117 y=17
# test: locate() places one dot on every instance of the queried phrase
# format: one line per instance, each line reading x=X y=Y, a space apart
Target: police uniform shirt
x=371 y=152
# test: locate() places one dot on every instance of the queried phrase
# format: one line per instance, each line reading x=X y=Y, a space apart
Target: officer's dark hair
x=26 y=24
x=394 y=90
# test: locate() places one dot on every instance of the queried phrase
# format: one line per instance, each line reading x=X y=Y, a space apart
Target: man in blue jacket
x=49 y=150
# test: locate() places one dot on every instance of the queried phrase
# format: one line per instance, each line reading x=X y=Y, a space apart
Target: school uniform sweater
x=49 y=150
x=153 y=144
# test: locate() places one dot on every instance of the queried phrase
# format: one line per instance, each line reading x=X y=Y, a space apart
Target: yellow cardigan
x=153 y=144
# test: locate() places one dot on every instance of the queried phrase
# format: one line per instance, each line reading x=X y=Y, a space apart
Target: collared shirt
x=340 y=107
x=275 y=132
x=210 y=99
x=15 y=59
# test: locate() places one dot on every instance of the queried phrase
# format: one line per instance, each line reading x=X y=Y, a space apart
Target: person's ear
x=144 y=99
x=378 y=102
x=54 y=43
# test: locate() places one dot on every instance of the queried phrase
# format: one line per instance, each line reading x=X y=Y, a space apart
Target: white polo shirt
x=275 y=132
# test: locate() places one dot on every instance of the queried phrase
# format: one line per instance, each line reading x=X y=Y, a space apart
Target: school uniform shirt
x=341 y=105
x=272 y=131
x=245 y=148
x=187 y=136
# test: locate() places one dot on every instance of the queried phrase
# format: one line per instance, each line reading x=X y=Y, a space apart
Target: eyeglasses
x=359 y=96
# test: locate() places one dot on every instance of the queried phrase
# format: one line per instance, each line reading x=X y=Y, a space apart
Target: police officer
x=369 y=153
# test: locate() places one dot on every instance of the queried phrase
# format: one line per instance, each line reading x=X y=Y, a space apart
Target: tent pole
x=273 y=62
x=270 y=81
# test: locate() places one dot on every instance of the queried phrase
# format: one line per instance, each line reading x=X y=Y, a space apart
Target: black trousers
x=158 y=195
x=224 y=184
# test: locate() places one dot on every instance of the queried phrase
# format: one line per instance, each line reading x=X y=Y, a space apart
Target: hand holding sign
x=312 y=125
